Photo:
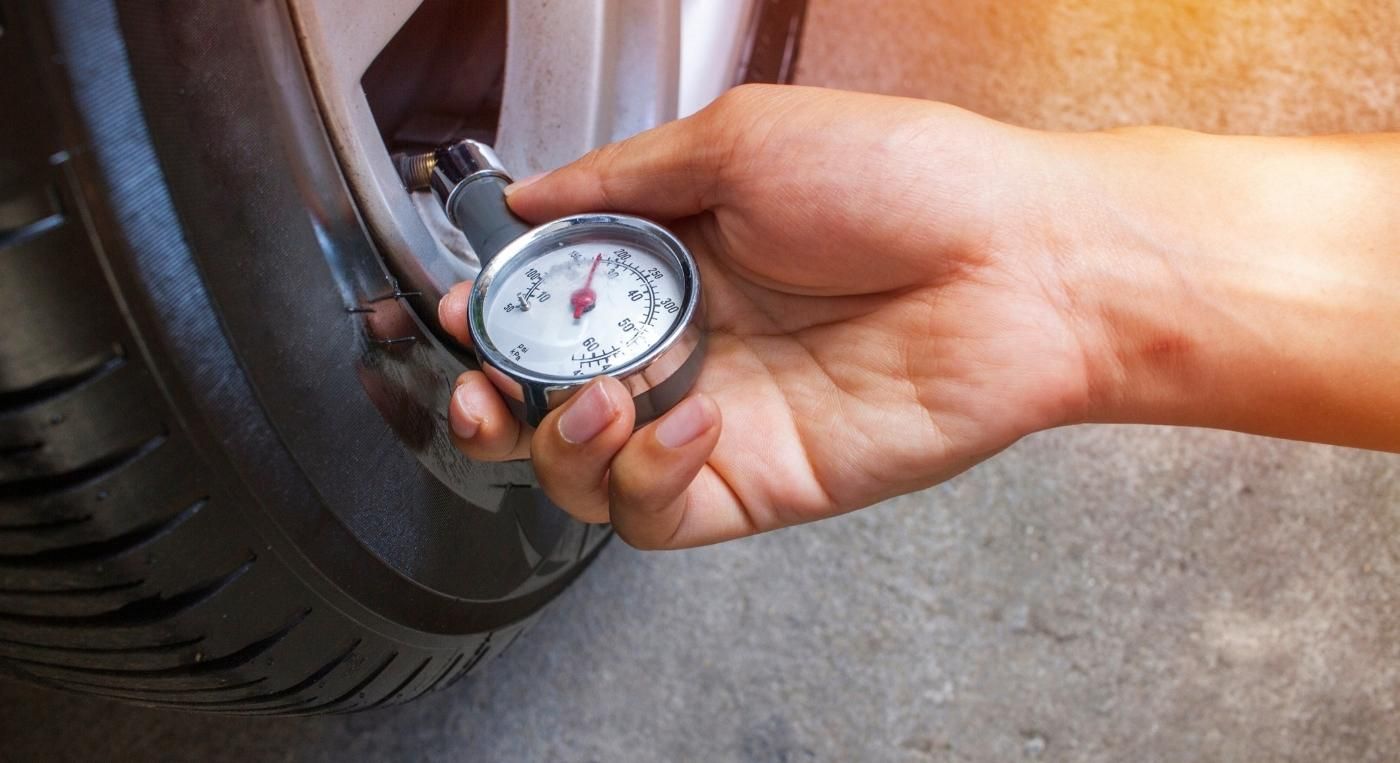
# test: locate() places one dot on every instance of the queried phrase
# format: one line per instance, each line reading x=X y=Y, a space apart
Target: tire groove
x=57 y=386
x=93 y=591
x=22 y=450
x=232 y=660
x=387 y=697
x=478 y=654
x=31 y=488
x=97 y=650
x=143 y=611
x=278 y=710
x=43 y=528
x=129 y=694
x=234 y=706
x=94 y=690
x=444 y=674
x=348 y=695
x=110 y=548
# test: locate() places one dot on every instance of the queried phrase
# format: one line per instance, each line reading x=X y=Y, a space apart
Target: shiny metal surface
x=339 y=39
x=463 y=162
x=577 y=75
x=416 y=170
x=656 y=379
x=446 y=169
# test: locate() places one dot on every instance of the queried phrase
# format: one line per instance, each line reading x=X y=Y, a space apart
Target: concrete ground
x=1100 y=593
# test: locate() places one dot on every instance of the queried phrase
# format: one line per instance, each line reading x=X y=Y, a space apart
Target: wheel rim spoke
x=577 y=75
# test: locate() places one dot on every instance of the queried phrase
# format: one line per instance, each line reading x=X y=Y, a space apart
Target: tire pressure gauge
x=561 y=303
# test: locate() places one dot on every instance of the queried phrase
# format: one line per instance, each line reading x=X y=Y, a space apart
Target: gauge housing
x=657 y=378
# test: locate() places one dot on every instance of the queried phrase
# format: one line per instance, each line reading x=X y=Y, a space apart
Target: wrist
x=1131 y=239
x=1241 y=283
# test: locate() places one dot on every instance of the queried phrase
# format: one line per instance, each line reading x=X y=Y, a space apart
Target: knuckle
x=744 y=97
x=646 y=514
x=736 y=109
x=594 y=161
x=637 y=538
x=553 y=476
x=630 y=491
x=484 y=452
x=586 y=504
x=600 y=164
x=501 y=450
x=498 y=442
x=559 y=471
x=717 y=119
x=729 y=127
x=473 y=451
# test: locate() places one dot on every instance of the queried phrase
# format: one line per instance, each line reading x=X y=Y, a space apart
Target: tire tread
x=123 y=572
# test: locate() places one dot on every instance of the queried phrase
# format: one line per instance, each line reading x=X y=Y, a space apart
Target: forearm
x=1242 y=283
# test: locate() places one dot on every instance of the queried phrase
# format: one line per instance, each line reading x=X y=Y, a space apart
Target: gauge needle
x=582 y=300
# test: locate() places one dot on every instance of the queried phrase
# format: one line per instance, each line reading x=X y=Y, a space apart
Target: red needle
x=583 y=299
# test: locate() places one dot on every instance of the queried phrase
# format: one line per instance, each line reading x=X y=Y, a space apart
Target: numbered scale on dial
x=584 y=310
x=559 y=304
x=585 y=296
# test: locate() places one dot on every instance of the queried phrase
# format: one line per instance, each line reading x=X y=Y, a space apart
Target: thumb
x=664 y=173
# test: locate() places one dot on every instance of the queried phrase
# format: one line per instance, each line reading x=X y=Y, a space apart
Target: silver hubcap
x=577 y=74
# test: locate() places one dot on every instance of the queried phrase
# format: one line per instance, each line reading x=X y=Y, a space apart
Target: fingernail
x=589 y=414
x=466 y=422
x=448 y=300
x=517 y=185
x=688 y=421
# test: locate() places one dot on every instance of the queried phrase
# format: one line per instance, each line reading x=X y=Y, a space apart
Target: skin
x=899 y=289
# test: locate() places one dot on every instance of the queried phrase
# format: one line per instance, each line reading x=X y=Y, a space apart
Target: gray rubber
x=479 y=208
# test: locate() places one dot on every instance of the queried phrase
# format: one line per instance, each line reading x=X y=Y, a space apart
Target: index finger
x=664 y=173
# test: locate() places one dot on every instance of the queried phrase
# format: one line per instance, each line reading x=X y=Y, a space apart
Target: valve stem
x=416 y=170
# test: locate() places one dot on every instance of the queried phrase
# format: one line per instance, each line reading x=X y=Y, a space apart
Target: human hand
x=882 y=315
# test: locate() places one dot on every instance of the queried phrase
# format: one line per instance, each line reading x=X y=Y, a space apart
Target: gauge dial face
x=584 y=309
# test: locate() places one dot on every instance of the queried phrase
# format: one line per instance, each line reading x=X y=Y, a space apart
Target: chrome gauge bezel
x=668 y=355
